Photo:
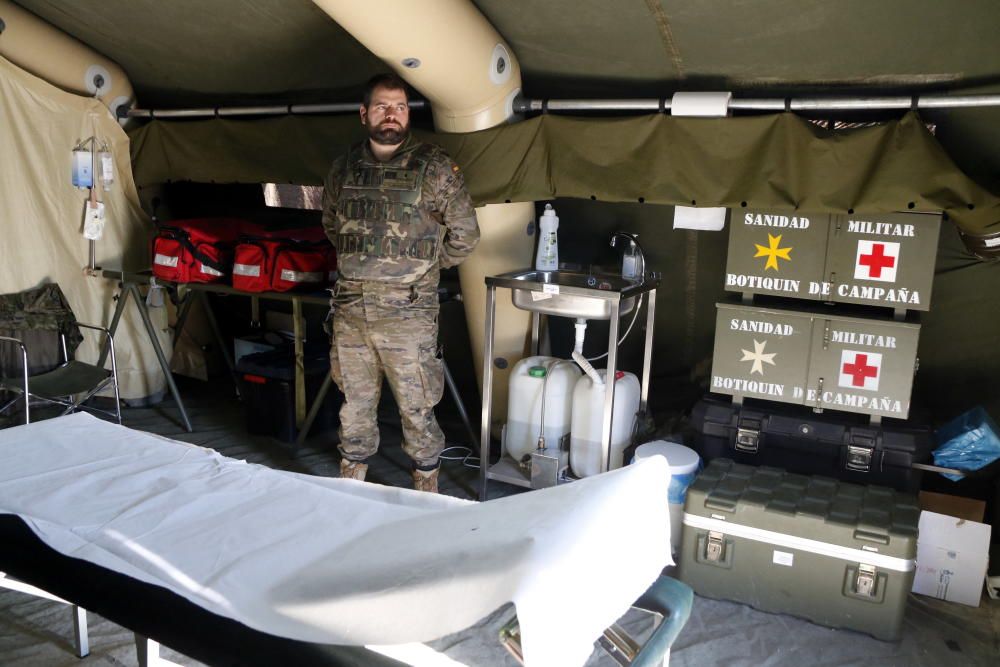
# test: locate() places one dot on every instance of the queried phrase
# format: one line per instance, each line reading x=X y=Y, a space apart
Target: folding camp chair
x=31 y=317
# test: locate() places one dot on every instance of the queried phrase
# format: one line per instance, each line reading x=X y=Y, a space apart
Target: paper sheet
x=340 y=561
x=701 y=219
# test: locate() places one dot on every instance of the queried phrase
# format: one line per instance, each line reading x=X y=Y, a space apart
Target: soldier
x=397 y=211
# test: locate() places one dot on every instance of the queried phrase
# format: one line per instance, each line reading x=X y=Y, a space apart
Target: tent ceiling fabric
x=221 y=52
x=594 y=46
x=778 y=161
x=227 y=51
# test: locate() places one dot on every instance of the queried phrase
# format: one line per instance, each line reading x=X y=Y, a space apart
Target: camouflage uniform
x=394 y=224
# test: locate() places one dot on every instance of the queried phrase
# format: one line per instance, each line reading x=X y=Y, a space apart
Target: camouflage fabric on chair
x=38 y=336
x=38 y=317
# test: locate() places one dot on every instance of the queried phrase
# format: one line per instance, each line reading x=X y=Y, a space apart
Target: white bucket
x=528 y=378
x=588 y=422
x=684 y=463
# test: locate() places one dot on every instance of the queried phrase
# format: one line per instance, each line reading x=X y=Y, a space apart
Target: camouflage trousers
x=388 y=332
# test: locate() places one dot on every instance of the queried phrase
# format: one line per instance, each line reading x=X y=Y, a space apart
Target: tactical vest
x=385 y=233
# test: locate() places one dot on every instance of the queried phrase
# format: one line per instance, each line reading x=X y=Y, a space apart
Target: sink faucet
x=634 y=260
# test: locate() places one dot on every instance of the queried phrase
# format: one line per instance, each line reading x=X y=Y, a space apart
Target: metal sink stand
x=506 y=470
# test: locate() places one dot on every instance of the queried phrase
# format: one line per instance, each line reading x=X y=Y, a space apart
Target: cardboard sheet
x=339 y=561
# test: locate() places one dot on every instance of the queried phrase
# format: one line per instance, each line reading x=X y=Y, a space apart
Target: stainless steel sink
x=570 y=293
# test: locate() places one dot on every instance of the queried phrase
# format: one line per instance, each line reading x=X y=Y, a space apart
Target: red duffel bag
x=195 y=251
x=284 y=260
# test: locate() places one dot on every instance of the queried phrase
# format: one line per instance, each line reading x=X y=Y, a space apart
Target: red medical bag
x=283 y=260
x=195 y=251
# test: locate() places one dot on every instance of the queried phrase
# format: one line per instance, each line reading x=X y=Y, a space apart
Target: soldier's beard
x=389 y=136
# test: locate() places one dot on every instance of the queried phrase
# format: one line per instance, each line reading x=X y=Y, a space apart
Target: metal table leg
x=609 y=386
x=217 y=332
x=313 y=413
x=484 y=440
x=182 y=315
x=300 y=364
x=133 y=289
x=115 y=319
x=647 y=355
x=453 y=390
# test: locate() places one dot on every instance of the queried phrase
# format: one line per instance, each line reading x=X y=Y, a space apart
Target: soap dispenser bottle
x=547 y=258
x=630 y=262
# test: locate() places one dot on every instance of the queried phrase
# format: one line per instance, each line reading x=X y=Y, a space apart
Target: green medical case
x=822 y=357
x=874 y=260
x=838 y=554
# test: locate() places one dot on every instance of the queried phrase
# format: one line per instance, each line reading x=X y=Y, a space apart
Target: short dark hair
x=389 y=81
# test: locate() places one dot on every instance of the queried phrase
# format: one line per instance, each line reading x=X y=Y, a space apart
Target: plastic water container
x=588 y=422
x=684 y=463
x=529 y=378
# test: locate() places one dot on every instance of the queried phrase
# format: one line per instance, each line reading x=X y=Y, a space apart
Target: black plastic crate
x=799 y=440
x=267 y=386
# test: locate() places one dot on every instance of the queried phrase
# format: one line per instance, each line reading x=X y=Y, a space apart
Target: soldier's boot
x=426 y=480
x=353 y=469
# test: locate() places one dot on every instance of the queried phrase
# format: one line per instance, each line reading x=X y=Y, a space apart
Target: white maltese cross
x=758 y=357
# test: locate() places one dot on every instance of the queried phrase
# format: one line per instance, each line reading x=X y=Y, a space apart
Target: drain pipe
x=581 y=330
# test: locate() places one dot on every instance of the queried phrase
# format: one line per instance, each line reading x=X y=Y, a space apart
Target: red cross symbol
x=860 y=370
x=877 y=261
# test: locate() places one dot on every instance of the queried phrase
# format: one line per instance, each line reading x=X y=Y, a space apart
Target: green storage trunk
x=876 y=260
x=835 y=553
x=823 y=357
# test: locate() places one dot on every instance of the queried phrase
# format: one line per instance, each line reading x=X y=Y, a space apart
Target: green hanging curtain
x=778 y=161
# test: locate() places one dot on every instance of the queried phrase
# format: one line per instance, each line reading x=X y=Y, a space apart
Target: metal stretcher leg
x=147 y=653
x=81 y=639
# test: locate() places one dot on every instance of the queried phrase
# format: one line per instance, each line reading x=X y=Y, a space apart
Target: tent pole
x=771 y=104
x=651 y=105
x=283 y=110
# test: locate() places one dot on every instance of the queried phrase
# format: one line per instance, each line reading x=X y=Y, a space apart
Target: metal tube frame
x=484 y=432
x=24 y=378
x=663 y=105
x=643 y=105
x=275 y=110
x=609 y=386
x=114 y=370
x=492 y=282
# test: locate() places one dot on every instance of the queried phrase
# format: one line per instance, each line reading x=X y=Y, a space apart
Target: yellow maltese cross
x=773 y=252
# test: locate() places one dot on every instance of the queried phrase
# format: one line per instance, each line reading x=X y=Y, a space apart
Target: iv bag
x=83 y=169
x=107 y=169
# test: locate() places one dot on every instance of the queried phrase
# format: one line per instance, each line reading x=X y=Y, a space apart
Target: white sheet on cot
x=339 y=561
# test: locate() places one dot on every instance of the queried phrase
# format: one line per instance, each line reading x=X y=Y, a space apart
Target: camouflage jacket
x=394 y=221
